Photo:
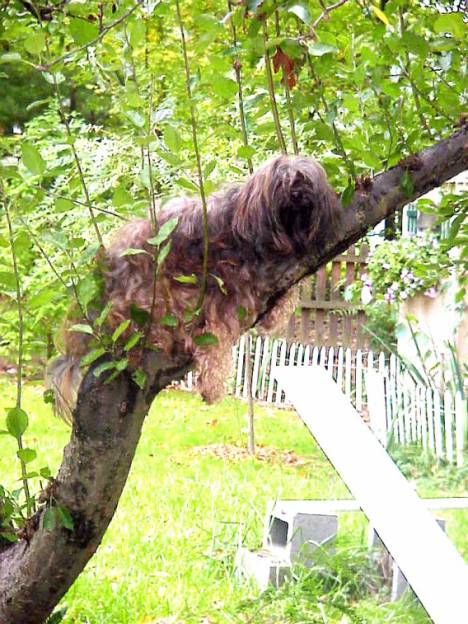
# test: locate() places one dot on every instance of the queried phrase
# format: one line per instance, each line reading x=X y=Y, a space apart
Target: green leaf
x=209 y=168
x=242 y=314
x=136 y=118
x=187 y=184
x=186 y=279
x=347 y=195
x=172 y=139
x=16 y=422
x=169 y=157
x=45 y=472
x=26 y=455
x=120 y=330
x=132 y=341
x=63 y=205
x=163 y=253
x=83 y=31
x=7 y=280
x=104 y=314
x=226 y=88
x=451 y=23
x=65 y=518
x=245 y=151
x=301 y=11
x=168 y=320
x=138 y=315
x=134 y=252
x=381 y=15
x=320 y=49
x=137 y=32
x=35 y=42
x=205 y=340
x=92 y=356
x=49 y=520
x=121 y=197
x=220 y=283
x=105 y=366
x=10 y=57
x=165 y=230
x=406 y=183
x=139 y=377
x=33 y=159
x=81 y=328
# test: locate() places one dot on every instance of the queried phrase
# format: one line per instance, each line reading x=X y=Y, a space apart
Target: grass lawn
x=168 y=555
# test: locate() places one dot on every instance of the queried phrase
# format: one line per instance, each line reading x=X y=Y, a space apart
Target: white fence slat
x=273 y=363
x=300 y=355
x=406 y=408
x=331 y=360
x=439 y=446
x=376 y=404
x=240 y=366
x=422 y=416
x=413 y=417
x=359 y=375
x=339 y=373
x=348 y=362
x=448 y=421
x=315 y=354
x=460 y=424
x=256 y=367
x=430 y=420
x=307 y=356
x=266 y=355
x=282 y=361
x=323 y=357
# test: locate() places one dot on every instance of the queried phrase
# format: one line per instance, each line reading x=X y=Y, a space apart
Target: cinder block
x=293 y=533
x=263 y=567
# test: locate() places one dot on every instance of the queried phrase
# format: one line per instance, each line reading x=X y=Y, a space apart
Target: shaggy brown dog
x=284 y=209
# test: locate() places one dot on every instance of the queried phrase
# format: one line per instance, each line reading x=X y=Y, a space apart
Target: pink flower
x=432 y=292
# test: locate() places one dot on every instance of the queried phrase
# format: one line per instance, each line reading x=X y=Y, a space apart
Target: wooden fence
x=399 y=410
x=323 y=317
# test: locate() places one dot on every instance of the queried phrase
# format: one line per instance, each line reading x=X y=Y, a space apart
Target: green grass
x=168 y=555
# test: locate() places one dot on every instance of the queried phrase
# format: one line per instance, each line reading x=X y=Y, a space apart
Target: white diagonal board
x=432 y=565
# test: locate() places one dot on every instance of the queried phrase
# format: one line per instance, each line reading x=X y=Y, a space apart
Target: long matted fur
x=285 y=209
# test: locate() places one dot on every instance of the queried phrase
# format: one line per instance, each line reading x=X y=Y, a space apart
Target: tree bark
x=35 y=574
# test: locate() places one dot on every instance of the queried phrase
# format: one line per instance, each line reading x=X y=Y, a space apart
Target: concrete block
x=293 y=532
x=264 y=567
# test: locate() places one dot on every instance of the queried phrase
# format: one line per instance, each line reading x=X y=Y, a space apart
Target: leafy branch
x=17 y=420
x=97 y=39
x=201 y=185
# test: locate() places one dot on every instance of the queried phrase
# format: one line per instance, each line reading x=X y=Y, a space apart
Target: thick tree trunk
x=35 y=574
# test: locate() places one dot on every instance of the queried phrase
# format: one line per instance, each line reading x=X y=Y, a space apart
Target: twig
x=325 y=13
x=271 y=89
x=85 y=46
x=106 y=211
x=238 y=72
x=193 y=121
x=336 y=134
x=289 y=107
x=19 y=369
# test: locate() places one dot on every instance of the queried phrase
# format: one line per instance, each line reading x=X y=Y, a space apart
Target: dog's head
x=286 y=207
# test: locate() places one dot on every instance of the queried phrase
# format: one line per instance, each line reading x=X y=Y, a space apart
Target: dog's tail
x=63 y=377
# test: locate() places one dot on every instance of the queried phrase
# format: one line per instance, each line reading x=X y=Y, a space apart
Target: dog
x=286 y=209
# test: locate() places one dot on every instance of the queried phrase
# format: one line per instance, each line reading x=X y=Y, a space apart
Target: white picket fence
x=399 y=410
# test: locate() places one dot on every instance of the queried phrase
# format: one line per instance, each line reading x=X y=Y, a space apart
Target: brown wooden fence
x=323 y=317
